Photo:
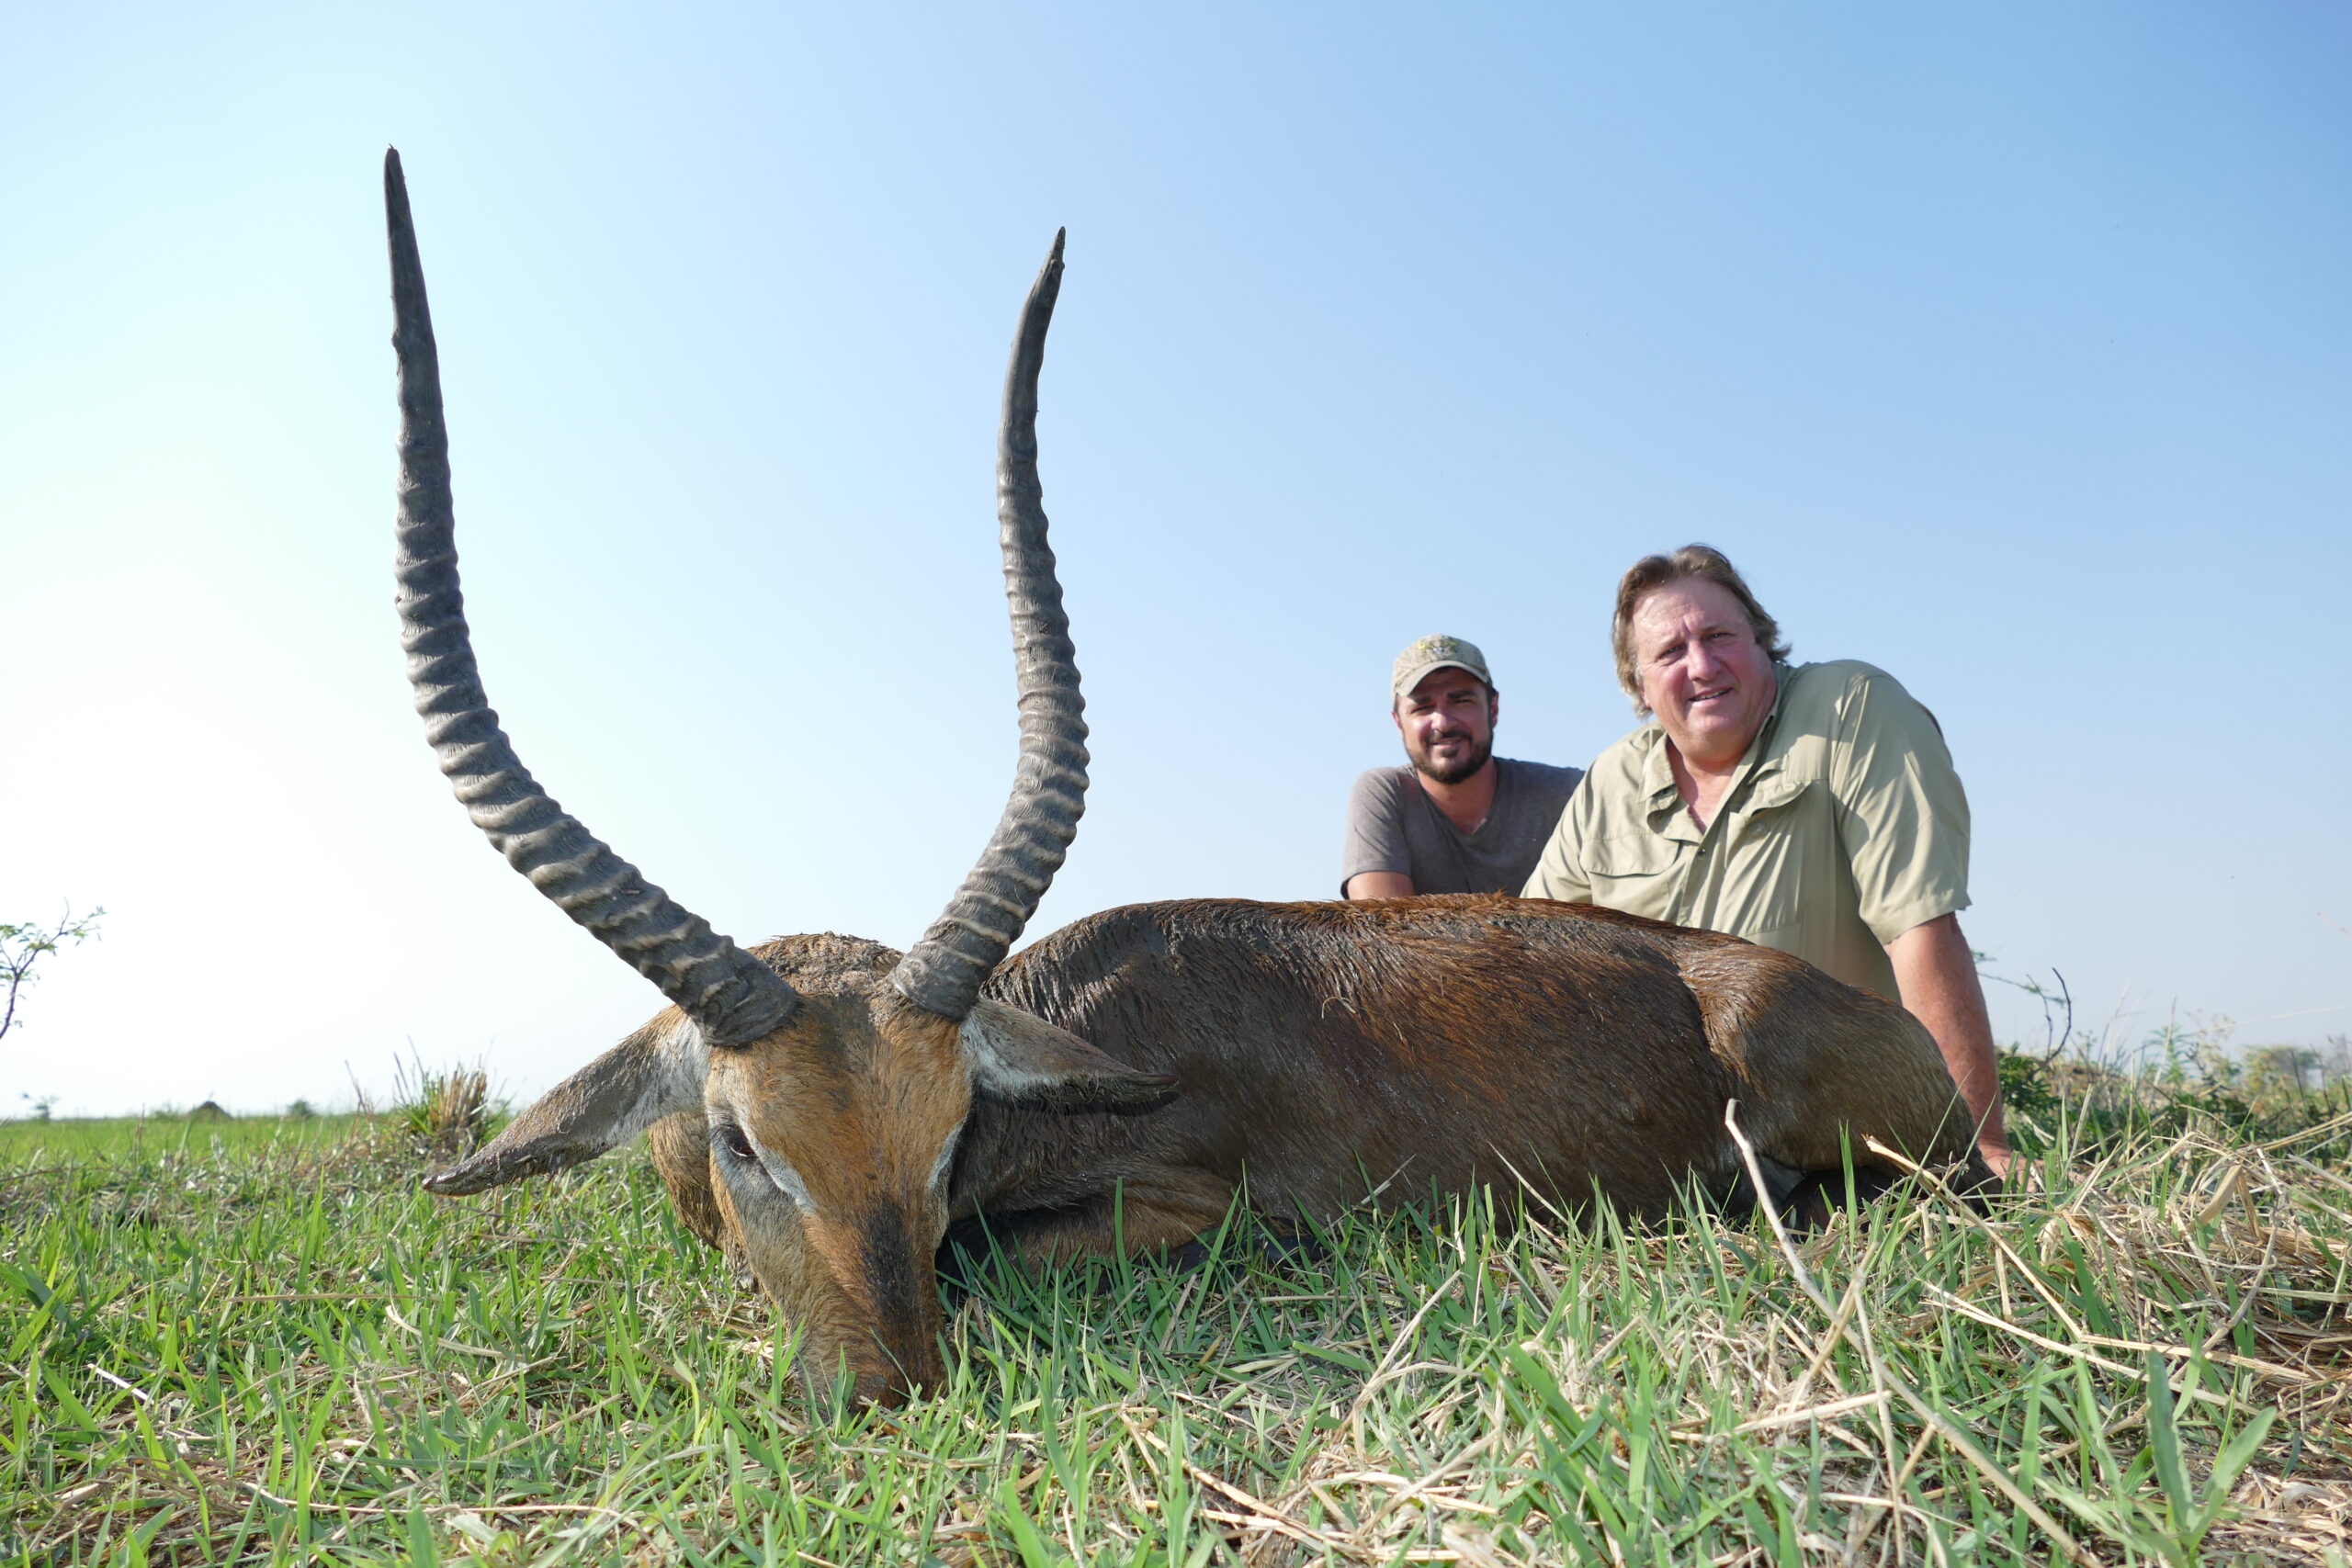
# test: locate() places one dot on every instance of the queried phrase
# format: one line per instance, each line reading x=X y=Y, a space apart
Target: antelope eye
x=730 y=1138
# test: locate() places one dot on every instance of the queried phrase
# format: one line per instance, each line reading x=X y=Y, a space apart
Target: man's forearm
x=1937 y=979
x=1379 y=885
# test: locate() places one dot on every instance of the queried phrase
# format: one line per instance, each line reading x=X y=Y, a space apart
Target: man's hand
x=1938 y=979
x=1380 y=885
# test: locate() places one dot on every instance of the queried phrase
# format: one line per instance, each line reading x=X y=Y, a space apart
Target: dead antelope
x=826 y=1108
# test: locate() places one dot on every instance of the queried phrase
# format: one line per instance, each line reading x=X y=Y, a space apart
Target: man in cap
x=1457 y=819
x=1811 y=808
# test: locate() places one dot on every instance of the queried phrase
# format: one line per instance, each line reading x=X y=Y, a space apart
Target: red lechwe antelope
x=825 y=1109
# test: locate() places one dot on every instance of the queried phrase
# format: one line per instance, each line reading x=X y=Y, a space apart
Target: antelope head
x=833 y=1106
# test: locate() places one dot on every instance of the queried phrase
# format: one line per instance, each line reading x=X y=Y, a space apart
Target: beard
x=1455 y=772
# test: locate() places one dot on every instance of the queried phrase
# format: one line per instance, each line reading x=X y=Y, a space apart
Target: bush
x=2179 y=1075
x=444 y=1113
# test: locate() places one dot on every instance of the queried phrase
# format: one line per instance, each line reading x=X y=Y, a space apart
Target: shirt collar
x=1761 y=758
x=1657 y=771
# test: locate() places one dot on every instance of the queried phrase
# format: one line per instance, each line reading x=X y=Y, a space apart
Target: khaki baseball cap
x=1439 y=652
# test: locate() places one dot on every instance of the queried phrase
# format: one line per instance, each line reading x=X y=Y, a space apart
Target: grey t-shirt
x=1393 y=825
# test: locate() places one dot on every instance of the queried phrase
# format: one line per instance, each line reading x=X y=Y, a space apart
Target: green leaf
x=422 y=1550
x=2164 y=1439
x=1034 y=1553
x=2228 y=1465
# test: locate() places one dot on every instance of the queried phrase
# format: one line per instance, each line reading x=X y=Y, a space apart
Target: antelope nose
x=913 y=1365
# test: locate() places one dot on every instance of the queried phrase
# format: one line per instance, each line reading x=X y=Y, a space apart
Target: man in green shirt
x=1813 y=808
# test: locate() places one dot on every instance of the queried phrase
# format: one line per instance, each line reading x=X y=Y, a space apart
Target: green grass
x=24 y=1144
x=258 y=1341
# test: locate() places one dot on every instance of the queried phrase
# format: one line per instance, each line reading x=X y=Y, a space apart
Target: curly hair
x=1653 y=572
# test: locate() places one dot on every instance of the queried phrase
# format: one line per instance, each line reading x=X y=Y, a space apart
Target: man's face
x=1448 y=722
x=1702 y=670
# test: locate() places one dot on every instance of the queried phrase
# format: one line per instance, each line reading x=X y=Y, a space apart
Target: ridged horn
x=944 y=972
x=732 y=996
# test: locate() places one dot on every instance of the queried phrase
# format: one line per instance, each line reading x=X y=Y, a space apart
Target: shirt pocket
x=1772 y=860
x=1632 y=872
x=1776 y=805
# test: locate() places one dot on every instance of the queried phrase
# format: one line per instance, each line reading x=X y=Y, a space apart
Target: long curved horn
x=732 y=996
x=944 y=972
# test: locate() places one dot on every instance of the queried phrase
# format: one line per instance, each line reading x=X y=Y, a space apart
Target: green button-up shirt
x=1845 y=827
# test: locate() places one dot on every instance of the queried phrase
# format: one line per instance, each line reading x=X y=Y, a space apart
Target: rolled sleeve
x=1903 y=817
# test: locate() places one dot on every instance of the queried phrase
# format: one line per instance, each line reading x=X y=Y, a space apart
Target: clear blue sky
x=2004 y=345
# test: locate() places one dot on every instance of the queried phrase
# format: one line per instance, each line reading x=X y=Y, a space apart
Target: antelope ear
x=1018 y=1056
x=654 y=1073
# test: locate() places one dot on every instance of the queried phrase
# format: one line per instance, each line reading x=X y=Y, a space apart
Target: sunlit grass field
x=256 y=1340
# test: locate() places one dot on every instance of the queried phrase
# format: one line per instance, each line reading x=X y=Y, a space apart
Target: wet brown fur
x=1328 y=1050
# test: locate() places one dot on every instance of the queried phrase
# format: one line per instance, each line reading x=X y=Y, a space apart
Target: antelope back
x=1332 y=1052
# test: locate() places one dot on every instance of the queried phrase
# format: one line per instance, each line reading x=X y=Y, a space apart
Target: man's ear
x=1018 y=1056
